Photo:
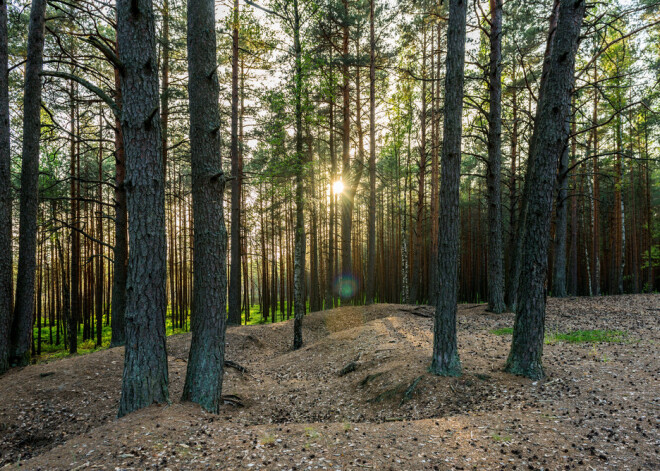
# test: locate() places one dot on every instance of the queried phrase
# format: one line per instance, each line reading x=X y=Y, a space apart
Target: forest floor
x=598 y=408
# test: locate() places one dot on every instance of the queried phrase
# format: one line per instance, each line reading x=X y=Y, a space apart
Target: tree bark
x=76 y=312
x=6 y=270
x=371 y=222
x=561 y=226
x=207 y=351
x=120 y=250
x=299 y=250
x=145 y=379
x=445 y=349
x=234 y=317
x=493 y=174
x=21 y=331
x=550 y=137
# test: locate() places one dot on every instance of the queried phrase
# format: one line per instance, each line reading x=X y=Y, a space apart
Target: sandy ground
x=599 y=407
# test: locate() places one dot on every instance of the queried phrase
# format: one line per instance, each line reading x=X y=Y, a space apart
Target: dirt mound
x=358 y=395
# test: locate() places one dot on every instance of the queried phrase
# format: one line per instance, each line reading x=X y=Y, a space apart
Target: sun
x=338 y=187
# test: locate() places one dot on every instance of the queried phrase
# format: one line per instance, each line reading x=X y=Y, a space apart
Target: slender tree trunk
x=6 y=270
x=145 y=379
x=299 y=250
x=371 y=222
x=595 y=208
x=445 y=349
x=561 y=226
x=234 y=317
x=346 y=206
x=573 y=264
x=649 y=210
x=330 y=288
x=511 y=286
x=120 y=251
x=493 y=174
x=435 y=178
x=21 y=330
x=418 y=246
x=99 y=284
x=206 y=360
x=549 y=140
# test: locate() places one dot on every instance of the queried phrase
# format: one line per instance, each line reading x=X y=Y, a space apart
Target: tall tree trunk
x=493 y=174
x=371 y=222
x=207 y=351
x=445 y=349
x=6 y=270
x=595 y=200
x=561 y=226
x=234 y=317
x=21 y=330
x=435 y=177
x=299 y=250
x=418 y=246
x=346 y=199
x=120 y=250
x=100 y=247
x=549 y=140
x=145 y=379
x=511 y=286
x=573 y=263
x=330 y=282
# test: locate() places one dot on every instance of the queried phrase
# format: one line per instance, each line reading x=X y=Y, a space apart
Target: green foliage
x=576 y=336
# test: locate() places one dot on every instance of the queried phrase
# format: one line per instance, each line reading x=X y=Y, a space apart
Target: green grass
x=576 y=336
x=503 y=331
x=588 y=336
x=54 y=351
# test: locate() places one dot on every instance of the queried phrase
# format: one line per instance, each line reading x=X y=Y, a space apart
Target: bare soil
x=598 y=408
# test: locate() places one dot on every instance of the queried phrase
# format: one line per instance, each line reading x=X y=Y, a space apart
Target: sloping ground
x=599 y=408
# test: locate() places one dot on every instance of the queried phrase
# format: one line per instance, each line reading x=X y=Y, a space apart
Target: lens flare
x=346 y=286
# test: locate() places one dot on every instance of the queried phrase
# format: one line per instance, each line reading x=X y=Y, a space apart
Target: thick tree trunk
x=445 y=349
x=207 y=351
x=6 y=279
x=145 y=379
x=21 y=330
x=120 y=251
x=234 y=317
x=493 y=174
x=549 y=140
x=371 y=220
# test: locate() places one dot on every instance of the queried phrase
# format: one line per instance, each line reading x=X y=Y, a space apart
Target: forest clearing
x=597 y=408
x=329 y=234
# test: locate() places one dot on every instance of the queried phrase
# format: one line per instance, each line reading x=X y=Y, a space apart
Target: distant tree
x=235 y=259
x=493 y=172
